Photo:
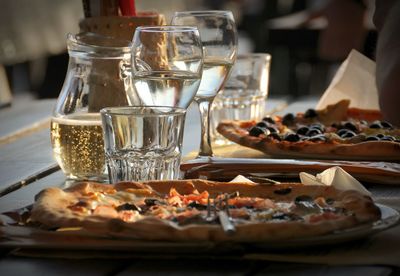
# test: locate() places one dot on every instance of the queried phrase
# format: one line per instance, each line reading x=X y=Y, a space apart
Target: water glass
x=244 y=94
x=143 y=142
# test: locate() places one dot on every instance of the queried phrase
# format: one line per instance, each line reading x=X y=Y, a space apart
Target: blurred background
x=307 y=39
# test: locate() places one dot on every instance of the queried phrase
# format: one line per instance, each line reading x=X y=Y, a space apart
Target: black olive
x=284 y=191
x=82 y=203
x=313 y=132
x=275 y=136
x=329 y=201
x=292 y=137
x=387 y=138
x=269 y=120
x=272 y=129
x=302 y=198
x=256 y=131
x=310 y=113
x=397 y=140
x=302 y=130
x=128 y=206
x=330 y=209
x=348 y=134
x=318 y=138
x=151 y=201
x=372 y=138
x=262 y=124
x=318 y=126
x=288 y=119
x=342 y=131
x=196 y=205
x=286 y=216
x=375 y=124
x=385 y=124
x=350 y=126
x=280 y=216
x=304 y=138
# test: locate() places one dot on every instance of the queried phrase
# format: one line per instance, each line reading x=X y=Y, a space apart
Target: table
x=27 y=166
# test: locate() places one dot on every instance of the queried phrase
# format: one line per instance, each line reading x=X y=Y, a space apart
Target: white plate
x=389 y=217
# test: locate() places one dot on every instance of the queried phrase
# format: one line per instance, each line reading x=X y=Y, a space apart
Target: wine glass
x=167 y=64
x=219 y=37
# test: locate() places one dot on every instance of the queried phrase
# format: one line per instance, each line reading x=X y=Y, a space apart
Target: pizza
x=336 y=132
x=201 y=210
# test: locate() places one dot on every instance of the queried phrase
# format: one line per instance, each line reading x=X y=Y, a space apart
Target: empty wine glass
x=219 y=37
x=167 y=65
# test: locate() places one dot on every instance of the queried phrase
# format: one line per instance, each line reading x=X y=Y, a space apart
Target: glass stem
x=205 y=142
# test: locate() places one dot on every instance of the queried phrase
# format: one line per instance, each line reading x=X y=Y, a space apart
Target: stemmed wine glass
x=167 y=65
x=219 y=37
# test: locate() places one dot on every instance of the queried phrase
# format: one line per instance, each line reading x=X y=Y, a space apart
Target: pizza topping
x=256 y=131
x=302 y=130
x=372 y=138
x=381 y=124
x=310 y=113
x=268 y=119
x=385 y=124
x=292 y=137
x=313 y=131
x=288 y=119
x=375 y=124
x=346 y=133
x=128 y=206
x=197 y=206
x=318 y=138
x=275 y=136
x=350 y=126
x=262 y=124
x=152 y=201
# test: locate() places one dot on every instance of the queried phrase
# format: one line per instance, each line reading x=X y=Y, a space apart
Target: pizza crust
x=51 y=209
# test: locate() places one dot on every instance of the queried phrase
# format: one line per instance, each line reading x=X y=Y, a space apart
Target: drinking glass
x=244 y=94
x=219 y=37
x=143 y=142
x=167 y=65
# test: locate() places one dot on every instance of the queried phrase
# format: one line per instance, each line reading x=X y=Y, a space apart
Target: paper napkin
x=336 y=177
x=241 y=178
x=354 y=80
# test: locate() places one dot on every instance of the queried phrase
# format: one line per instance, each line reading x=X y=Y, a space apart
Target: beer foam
x=88 y=119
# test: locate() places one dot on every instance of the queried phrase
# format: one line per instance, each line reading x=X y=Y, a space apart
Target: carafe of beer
x=98 y=76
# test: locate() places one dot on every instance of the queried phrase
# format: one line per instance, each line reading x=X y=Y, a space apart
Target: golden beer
x=77 y=142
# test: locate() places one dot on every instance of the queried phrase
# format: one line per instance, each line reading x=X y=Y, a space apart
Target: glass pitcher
x=98 y=76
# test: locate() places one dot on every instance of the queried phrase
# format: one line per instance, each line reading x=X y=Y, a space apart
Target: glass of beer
x=98 y=76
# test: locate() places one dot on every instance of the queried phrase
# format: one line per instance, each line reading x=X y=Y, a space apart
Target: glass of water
x=143 y=142
x=245 y=93
x=219 y=37
x=167 y=64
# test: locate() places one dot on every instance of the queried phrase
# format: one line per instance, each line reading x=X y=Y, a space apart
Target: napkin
x=336 y=177
x=241 y=178
x=354 y=80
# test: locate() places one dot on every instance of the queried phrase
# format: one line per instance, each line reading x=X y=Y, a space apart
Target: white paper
x=336 y=177
x=354 y=80
x=240 y=179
